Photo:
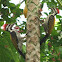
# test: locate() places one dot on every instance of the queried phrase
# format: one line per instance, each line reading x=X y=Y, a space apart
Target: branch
x=21 y=2
x=60 y=2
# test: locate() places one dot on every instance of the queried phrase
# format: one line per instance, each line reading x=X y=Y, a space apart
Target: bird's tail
x=44 y=39
x=21 y=53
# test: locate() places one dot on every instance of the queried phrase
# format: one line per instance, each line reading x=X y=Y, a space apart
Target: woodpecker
x=15 y=37
x=25 y=11
x=49 y=23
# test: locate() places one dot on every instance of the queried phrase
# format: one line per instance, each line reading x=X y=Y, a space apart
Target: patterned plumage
x=15 y=37
x=49 y=23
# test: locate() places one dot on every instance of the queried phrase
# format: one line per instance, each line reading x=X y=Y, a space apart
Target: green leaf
x=58 y=16
x=46 y=13
x=60 y=49
x=24 y=48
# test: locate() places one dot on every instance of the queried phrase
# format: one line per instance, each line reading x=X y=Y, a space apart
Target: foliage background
x=50 y=51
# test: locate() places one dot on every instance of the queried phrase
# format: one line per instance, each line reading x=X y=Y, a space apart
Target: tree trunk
x=33 y=32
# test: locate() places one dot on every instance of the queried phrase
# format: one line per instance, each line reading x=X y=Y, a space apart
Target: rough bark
x=33 y=32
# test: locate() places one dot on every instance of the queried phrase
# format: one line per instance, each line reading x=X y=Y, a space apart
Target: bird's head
x=4 y=27
x=10 y=27
x=57 y=10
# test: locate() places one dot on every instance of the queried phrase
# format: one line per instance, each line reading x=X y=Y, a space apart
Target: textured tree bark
x=33 y=32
